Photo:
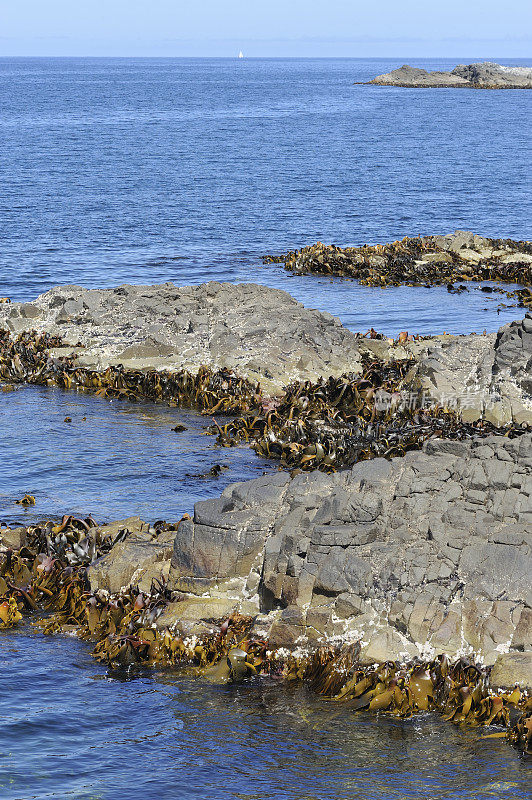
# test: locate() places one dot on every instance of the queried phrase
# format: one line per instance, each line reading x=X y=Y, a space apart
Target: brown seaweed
x=401 y=263
x=49 y=574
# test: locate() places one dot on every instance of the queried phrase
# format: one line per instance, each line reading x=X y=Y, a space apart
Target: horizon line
x=256 y=57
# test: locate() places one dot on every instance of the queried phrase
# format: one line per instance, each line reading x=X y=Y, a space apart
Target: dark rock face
x=488 y=75
x=432 y=551
x=513 y=354
x=485 y=75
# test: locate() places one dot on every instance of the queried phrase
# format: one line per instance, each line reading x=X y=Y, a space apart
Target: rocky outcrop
x=428 y=553
x=484 y=75
x=486 y=377
x=262 y=334
x=420 y=78
x=225 y=326
x=489 y=75
x=259 y=332
x=459 y=257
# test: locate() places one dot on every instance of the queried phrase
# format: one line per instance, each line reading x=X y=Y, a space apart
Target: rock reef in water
x=485 y=75
x=419 y=261
x=264 y=335
x=430 y=553
x=423 y=555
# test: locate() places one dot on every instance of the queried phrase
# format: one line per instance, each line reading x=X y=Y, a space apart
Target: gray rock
x=387 y=644
x=487 y=376
x=260 y=333
x=134 y=561
x=415 y=77
x=471 y=76
x=267 y=336
x=512 y=362
x=12 y=538
x=490 y=75
x=436 y=546
x=206 y=609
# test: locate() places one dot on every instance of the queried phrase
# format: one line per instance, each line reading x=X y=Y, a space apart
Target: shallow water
x=117 y=170
x=115 y=459
x=74 y=731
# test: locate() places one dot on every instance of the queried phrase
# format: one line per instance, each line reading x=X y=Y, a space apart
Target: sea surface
x=150 y=170
x=187 y=170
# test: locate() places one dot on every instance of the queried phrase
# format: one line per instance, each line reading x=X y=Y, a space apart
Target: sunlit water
x=144 y=171
x=147 y=170
x=69 y=730
x=115 y=459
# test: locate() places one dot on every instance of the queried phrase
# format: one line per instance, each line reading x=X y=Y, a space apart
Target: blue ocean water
x=147 y=170
x=114 y=460
x=68 y=730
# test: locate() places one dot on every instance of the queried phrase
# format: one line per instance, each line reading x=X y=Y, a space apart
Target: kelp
x=48 y=575
x=334 y=423
x=30 y=358
x=459 y=691
x=401 y=263
x=328 y=425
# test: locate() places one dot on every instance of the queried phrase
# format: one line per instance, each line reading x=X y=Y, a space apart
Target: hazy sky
x=399 y=28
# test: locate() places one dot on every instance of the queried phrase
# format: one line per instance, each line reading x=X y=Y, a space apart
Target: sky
x=304 y=28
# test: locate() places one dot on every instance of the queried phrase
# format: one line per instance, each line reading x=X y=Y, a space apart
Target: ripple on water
x=188 y=170
x=70 y=730
x=115 y=459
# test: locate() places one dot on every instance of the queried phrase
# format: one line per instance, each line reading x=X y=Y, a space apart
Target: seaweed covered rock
x=205 y=346
x=456 y=258
x=262 y=334
x=429 y=552
x=208 y=637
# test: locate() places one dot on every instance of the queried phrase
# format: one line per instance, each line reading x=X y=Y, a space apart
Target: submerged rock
x=485 y=75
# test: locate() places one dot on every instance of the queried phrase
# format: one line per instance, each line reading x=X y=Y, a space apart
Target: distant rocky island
x=486 y=75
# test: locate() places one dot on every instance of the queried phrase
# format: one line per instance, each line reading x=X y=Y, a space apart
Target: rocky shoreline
x=409 y=559
x=301 y=580
x=485 y=75
x=456 y=258
x=296 y=374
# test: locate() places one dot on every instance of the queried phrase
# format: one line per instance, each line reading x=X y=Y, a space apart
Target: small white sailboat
x=241 y=54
